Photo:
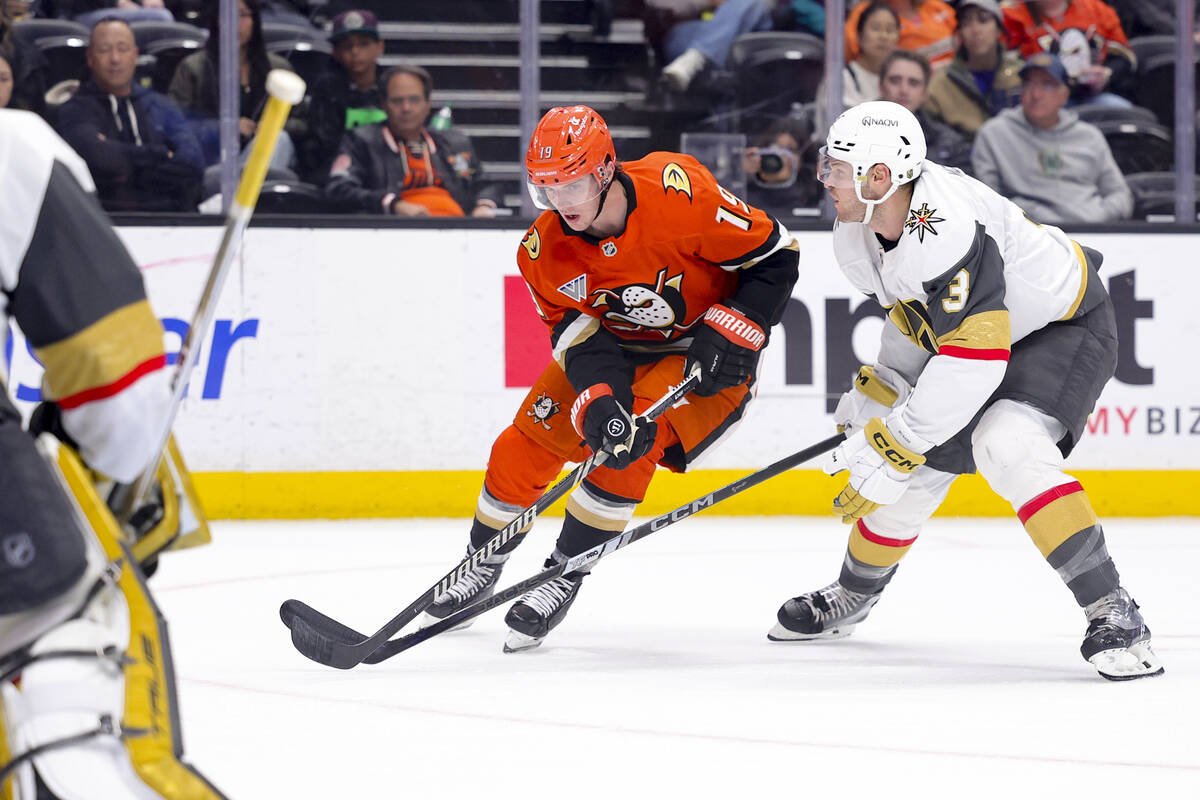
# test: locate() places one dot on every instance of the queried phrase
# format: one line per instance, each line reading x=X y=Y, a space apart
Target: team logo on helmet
x=675 y=177
x=921 y=220
x=542 y=410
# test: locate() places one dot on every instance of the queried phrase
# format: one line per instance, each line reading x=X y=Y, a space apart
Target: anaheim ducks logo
x=640 y=306
x=675 y=177
x=532 y=244
x=542 y=410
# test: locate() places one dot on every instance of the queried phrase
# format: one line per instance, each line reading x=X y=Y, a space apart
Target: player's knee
x=1014 y=452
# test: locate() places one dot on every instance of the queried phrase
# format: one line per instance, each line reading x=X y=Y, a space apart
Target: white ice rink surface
x=965 y=682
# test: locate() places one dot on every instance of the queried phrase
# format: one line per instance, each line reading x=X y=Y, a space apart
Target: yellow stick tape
x=340 y=495
x=265 y=137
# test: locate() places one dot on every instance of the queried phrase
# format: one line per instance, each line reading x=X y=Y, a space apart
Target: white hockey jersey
x=70 y=284
x=969 y=276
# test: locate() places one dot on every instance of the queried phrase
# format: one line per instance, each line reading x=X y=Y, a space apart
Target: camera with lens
x=777 y=167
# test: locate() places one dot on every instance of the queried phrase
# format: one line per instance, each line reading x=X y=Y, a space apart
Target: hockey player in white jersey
x=87 y=695
x=1000 y=340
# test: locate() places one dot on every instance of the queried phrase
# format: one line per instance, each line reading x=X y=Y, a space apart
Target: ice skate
x=829 y=613
x=475 y=585
x=1117 y=642
x=538 y=611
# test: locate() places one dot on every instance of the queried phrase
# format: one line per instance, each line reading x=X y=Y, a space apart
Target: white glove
x=880 y=468
x=875 y=392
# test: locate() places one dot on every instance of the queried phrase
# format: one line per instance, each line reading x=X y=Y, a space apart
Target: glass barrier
x=137 y=89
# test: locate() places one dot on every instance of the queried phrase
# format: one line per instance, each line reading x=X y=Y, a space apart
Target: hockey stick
x=284 y=90
x=589 y=557
x=329 y=642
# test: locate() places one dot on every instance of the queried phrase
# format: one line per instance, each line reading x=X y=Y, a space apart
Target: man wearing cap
x=348 y=96
x=982 y=79
x=1056 y=167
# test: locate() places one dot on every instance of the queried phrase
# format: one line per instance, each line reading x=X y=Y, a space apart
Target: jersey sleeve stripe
x=577 y=332
x=102 y=392
x=103 y=354
x=973 y=353
x=1083 y=280
x=776 y=239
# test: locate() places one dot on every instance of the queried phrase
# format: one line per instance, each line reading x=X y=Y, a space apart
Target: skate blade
x=428 y=619
x=1126 y=664
x=782 y=634
x=519 y=642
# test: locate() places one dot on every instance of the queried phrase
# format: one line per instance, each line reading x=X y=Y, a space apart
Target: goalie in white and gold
x=87 y=698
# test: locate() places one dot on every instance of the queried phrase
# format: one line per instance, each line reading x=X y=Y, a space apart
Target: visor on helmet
x=559 y=196
x=833 y=172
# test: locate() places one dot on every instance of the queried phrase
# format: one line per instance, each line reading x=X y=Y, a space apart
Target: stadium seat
x=274 y=32
x=291 y=197
x=776 y=69
x=1156 y=75
x=1154 y=195
x=145 y=34
x=311 y=58
x=1097 y=114
x=66 y=57
x=1137 y=144
x=30 y=30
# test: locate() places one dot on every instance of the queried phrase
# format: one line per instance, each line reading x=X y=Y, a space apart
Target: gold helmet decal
x=675 y=177
x=532 y=244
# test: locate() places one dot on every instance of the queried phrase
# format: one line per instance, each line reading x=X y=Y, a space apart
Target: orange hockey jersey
x=687 y=244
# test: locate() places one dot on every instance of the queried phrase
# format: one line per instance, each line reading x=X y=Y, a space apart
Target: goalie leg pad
x=96 y=715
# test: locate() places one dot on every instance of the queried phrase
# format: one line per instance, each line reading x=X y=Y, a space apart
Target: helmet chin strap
x=870 y=204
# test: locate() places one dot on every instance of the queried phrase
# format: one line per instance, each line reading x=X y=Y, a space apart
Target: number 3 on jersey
x=959 y=289
x=729 y=215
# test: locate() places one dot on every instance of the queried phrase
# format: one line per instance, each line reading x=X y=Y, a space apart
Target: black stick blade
x=318 y=637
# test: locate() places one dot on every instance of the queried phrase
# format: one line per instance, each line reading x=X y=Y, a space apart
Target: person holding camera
x=773 y=165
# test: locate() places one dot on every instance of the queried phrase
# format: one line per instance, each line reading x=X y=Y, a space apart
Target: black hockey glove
x=607 y=426
x=47 y=418
x=726 y=346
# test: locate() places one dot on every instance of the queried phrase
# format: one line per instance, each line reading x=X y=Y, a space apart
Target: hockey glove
x=608 y=427
x=880 y=468
x=876 y=391
x=725 y=346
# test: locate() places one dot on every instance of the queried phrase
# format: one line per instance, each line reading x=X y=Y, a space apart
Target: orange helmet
x=571 y=154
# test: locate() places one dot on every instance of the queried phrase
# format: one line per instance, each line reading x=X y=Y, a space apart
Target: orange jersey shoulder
x=684 y=240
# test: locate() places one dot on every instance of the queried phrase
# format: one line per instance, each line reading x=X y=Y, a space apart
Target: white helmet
x=876 y=132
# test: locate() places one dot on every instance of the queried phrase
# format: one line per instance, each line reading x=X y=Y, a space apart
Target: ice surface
x=965 y=682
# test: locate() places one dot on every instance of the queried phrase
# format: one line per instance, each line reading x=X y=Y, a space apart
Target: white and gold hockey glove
x=874 y=393
x=880 y=468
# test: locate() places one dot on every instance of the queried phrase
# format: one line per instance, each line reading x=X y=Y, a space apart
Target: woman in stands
x=196 y=87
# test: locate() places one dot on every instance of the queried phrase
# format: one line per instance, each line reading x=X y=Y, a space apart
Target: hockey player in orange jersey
x=640 y=270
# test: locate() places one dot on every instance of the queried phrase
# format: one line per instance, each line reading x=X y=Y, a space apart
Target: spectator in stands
x=401 y=167
x=348 y=96
x=195 y=88
x=6 y=82
x=27 y=64
x=89 y=12
x=904 y=79
x=778 y=180
x=1049 y=162
x=693 y=45
x=926 y=27
x=878 y=32
x=982 y=80
x=136 y=142
x=1086 y=35
x=16 y=9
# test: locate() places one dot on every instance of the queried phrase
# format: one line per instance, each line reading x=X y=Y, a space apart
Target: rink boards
x=366 y=372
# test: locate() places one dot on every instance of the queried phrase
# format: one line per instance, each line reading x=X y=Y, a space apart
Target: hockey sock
x=871 y=559
x=1067 y=531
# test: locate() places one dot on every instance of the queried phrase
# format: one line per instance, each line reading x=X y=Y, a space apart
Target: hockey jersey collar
x=631 y=204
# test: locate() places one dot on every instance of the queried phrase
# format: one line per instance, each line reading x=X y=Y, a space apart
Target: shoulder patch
x=576 y=288
x=676 y=177
x=921 y=220
x=532 y=244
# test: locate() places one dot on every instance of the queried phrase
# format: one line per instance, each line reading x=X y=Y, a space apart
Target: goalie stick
x=284 y=90
x=395 y=646
x=329 y=642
